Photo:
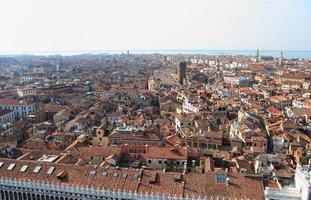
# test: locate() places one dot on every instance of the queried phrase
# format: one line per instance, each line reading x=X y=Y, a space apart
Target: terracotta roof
x=239 y=186
x=85 y=153
x=138 y=136
x=173 y=140
x=257 y=68
x=278 y=98
x=302 y=111
x=13 y=102
x=138 y=180
x=167 y=152
x=54 y=108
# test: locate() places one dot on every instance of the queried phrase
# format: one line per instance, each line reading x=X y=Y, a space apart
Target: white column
x=16 y=196
x=5 y=198
x=9 y=196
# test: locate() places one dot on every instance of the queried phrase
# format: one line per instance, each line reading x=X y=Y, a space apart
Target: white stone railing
x=72 y=190
x=282 y=193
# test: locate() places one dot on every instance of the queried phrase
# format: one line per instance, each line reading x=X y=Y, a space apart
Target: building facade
x=20 y=108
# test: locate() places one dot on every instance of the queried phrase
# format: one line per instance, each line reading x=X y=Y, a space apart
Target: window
x=149 y=161
x=11 y=167
x=221 y=178
x=24 y=168
x=51 y=170
x=160 y=161
x=177 y=162
x=37 y=169
x=115 y=174
x=165 y=161
x=92 y=173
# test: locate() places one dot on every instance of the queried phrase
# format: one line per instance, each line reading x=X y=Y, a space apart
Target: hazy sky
x=65 y=25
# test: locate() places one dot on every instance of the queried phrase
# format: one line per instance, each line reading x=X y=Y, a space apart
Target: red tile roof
x=138 y=180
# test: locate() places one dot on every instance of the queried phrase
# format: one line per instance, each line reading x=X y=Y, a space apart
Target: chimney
x=298 y=138
x=227 y=181
x=193 y=165
x=185 y=168
x=146 y=148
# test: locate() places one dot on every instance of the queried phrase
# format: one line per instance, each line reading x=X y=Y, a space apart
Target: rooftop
x=128 y=179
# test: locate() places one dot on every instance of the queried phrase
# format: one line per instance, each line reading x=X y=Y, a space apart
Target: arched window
x=11 y=195
x=28 y=196
x=2 y=194
x=24 y=196
x=19 y=195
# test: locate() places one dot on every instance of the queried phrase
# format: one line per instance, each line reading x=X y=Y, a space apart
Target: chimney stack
x=146 y=148
x=227 y=181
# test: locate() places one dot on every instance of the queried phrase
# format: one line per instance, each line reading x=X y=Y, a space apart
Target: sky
x=77 y=25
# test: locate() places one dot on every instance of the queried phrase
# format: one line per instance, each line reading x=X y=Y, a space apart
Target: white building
x=301 y=103
x=44 y=69
x=24 y=92
x=280 y=143
x=190 y=107
x=6 y=116
x=240 y=81
x=21 y=108
x=26 y=78
x=301 y=191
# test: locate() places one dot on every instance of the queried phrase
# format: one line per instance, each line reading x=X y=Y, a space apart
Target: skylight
x=105 y=173
x=11 y=167
x=24 y=168
x=50 y=170
x=92 y=173
x=37 y=169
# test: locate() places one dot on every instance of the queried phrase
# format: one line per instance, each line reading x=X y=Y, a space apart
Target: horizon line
x=155 y=51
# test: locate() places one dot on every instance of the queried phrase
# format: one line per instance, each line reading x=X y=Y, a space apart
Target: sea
x=288 y=54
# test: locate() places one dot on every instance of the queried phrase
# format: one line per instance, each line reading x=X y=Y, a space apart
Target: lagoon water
x=274 y=53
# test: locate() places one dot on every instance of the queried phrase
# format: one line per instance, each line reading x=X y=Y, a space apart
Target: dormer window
x=221 y=178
